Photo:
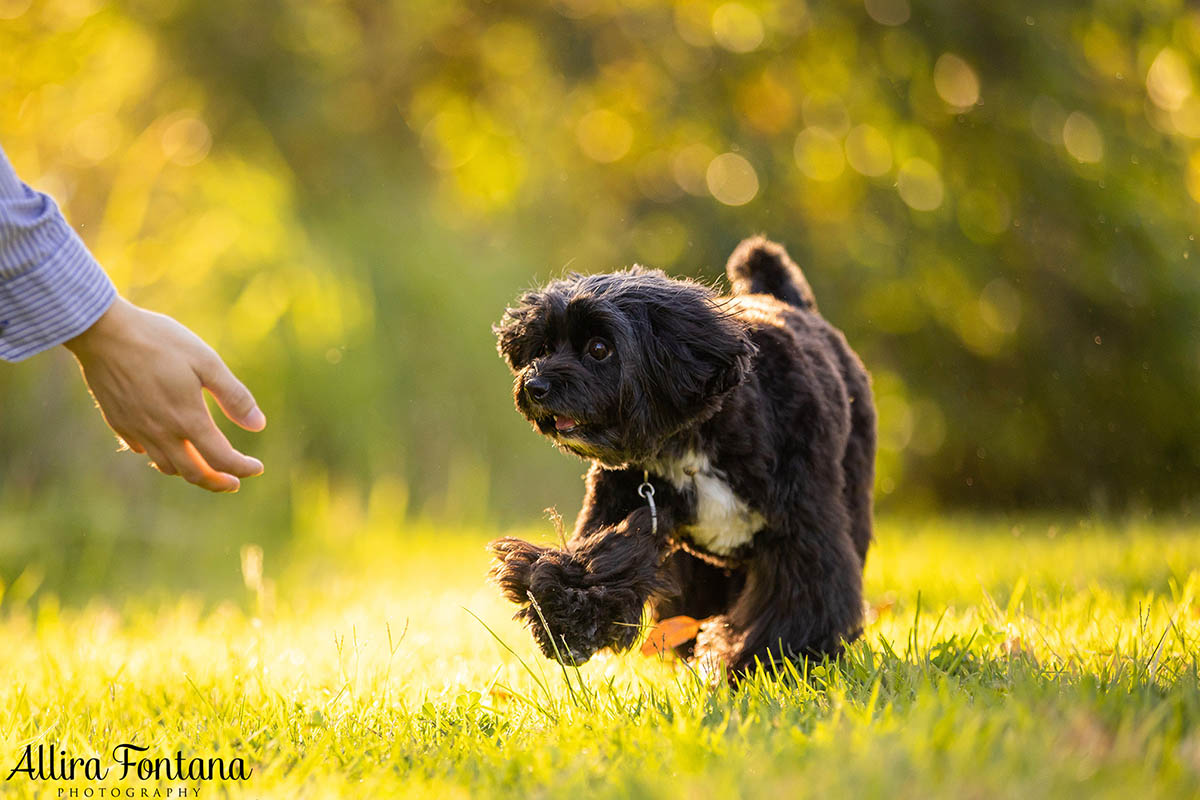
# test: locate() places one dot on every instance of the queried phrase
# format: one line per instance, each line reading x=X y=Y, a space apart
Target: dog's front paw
x=513 y=569
x=549 y=586
x=571 y=616
x=571 y=610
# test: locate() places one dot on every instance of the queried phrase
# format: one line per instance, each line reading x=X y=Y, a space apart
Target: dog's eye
x=597 y=348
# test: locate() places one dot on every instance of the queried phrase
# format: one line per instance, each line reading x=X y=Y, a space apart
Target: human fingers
x=195 y=470
x=159 y=459
x=216 y=450
x=231 y=394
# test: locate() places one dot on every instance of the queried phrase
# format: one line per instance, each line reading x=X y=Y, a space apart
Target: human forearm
x=51 y=289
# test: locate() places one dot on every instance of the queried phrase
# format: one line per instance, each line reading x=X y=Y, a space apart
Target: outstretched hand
x=147 y=372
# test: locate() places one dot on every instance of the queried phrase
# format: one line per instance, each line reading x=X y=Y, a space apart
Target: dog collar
x=646 y=490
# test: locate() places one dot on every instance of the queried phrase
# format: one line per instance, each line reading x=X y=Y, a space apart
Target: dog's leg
x=803 y=597
x=589 y=596
x=697 y=589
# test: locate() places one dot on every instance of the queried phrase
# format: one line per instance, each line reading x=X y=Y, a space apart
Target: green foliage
x=997 y=206
x=1046 y=660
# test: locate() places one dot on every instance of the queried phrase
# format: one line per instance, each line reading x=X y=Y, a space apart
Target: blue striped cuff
x=53 y=302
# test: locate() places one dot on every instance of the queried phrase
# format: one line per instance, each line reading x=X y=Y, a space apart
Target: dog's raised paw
x=513 y=568
x=570 y=613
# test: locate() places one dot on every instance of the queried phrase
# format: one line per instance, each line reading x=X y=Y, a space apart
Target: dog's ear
x=698 y=350
x=521 y=332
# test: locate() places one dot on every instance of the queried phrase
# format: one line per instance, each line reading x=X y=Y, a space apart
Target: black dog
x=750 y=418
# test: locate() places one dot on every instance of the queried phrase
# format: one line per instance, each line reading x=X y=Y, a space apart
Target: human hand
x=147 y=372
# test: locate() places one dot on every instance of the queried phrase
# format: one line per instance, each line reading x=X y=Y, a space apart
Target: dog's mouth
x=587 y=437
x=560 y=426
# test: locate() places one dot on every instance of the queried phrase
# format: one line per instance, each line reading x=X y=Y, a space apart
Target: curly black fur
x=755 y=422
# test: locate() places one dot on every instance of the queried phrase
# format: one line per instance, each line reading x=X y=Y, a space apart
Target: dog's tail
x=760 y=266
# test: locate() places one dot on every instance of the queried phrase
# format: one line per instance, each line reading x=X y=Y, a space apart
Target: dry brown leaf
x=670 y=633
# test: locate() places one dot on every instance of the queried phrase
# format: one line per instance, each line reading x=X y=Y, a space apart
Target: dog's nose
x=537 y=388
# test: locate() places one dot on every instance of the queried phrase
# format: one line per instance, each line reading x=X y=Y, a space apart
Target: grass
x=1000 y=661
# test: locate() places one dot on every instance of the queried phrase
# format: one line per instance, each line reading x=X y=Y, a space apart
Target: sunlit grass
x=1043 y=659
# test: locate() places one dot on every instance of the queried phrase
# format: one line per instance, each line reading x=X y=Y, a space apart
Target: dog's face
x=610 y=366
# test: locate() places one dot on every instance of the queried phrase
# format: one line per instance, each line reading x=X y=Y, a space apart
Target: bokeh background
x=996 y=201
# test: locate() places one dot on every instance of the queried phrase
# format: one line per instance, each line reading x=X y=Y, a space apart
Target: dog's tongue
x=564 y=423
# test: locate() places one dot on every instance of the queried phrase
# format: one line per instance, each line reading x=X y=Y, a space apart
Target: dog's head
x=610 y=366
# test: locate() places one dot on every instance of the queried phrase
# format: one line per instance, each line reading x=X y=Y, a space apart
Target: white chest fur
x=724 y=522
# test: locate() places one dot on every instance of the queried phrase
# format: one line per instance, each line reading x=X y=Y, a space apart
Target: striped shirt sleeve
x=51 y=289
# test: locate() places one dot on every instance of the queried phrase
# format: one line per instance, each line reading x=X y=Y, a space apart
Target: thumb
x=231 y=394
